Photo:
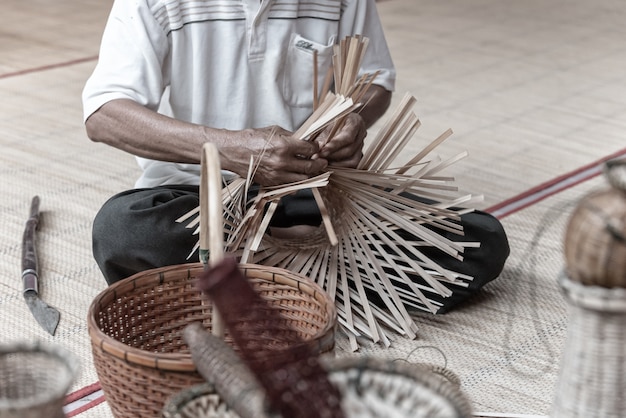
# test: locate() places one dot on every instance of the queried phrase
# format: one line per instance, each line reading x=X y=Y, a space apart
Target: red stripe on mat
x=48 y=67
x=85 y=407
x=81 y=393
x=552 y=187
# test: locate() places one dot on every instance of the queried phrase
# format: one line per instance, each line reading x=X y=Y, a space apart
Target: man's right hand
x=280 y=157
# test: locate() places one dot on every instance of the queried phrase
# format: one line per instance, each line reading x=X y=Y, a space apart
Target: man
x=174 y=74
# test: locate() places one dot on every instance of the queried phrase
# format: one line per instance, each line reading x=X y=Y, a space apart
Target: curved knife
x=47 y=316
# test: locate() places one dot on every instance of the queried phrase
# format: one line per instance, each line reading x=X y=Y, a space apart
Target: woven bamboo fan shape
x=373 y=235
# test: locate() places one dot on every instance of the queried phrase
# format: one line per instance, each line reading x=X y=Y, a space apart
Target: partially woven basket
x=136 y=325
x=370 y=387
x=34 y=380
x=366 y=386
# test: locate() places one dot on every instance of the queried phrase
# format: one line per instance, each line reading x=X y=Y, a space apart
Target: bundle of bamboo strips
x=373 y=235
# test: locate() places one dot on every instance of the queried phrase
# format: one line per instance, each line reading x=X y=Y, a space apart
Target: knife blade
x=47 y=316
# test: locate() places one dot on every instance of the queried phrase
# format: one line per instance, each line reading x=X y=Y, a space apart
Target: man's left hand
x=345 y=148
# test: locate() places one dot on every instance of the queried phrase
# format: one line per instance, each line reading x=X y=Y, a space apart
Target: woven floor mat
x=45 y=152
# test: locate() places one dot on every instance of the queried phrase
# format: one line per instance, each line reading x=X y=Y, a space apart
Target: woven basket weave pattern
x=136 y=330
x=591 y=379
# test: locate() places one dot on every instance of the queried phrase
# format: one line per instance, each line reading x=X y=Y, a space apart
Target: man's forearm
x=376 y=102
x=131 y=127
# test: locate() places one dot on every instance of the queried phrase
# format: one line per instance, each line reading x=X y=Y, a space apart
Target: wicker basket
x=370 y=387
x=136 y=325
x=34 y=380
x=591 y=374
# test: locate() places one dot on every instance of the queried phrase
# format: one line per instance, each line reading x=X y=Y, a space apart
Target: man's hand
x=345 y=148
x=280 y=157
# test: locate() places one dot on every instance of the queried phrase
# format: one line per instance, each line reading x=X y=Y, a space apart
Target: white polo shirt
x=230 y=64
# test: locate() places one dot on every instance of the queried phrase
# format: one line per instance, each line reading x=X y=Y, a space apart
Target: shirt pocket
x=297 y=74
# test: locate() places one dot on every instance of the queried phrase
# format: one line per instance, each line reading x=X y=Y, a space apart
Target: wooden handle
x=29 y=250
x=211 y=219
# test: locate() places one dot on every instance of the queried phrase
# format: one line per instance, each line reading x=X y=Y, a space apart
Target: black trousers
x=136 y=231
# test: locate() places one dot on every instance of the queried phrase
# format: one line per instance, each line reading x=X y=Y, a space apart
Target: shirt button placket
x=256 y=22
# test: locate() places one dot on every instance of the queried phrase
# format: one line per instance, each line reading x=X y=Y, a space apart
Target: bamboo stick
x=330 y=230
x=211 y=227
x=387 y=131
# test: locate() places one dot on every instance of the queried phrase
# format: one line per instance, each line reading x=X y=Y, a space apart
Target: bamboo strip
x=318 y=269
x=386 y=291
x=394 y=242
x=211 y=227
x=363 y=250
x=256 y=241
x=323 y=109
x=330 y=230
x=328 y=79
x=347 y=305
x=429 y=148
x=387 y=131
x=357 y=280
x=337 y=65
x=386 y=203
x=405 y=132
x=332 y=272
x=397 y=244
x=393 y=139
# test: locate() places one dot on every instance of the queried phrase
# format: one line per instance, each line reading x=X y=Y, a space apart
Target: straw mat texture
x=532 y=89
x=45 y=153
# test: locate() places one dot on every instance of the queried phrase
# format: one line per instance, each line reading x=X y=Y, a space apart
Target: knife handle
x=29 y=253
x=31 y=282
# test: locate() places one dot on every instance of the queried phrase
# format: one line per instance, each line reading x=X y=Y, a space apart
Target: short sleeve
x=131 y=62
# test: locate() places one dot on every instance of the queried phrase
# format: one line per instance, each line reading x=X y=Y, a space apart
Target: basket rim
x=183 y=362
x=441 y=385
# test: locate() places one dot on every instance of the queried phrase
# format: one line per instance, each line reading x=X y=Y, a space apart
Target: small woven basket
x=136 y=325
x=370 y=387
x=34 y=380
